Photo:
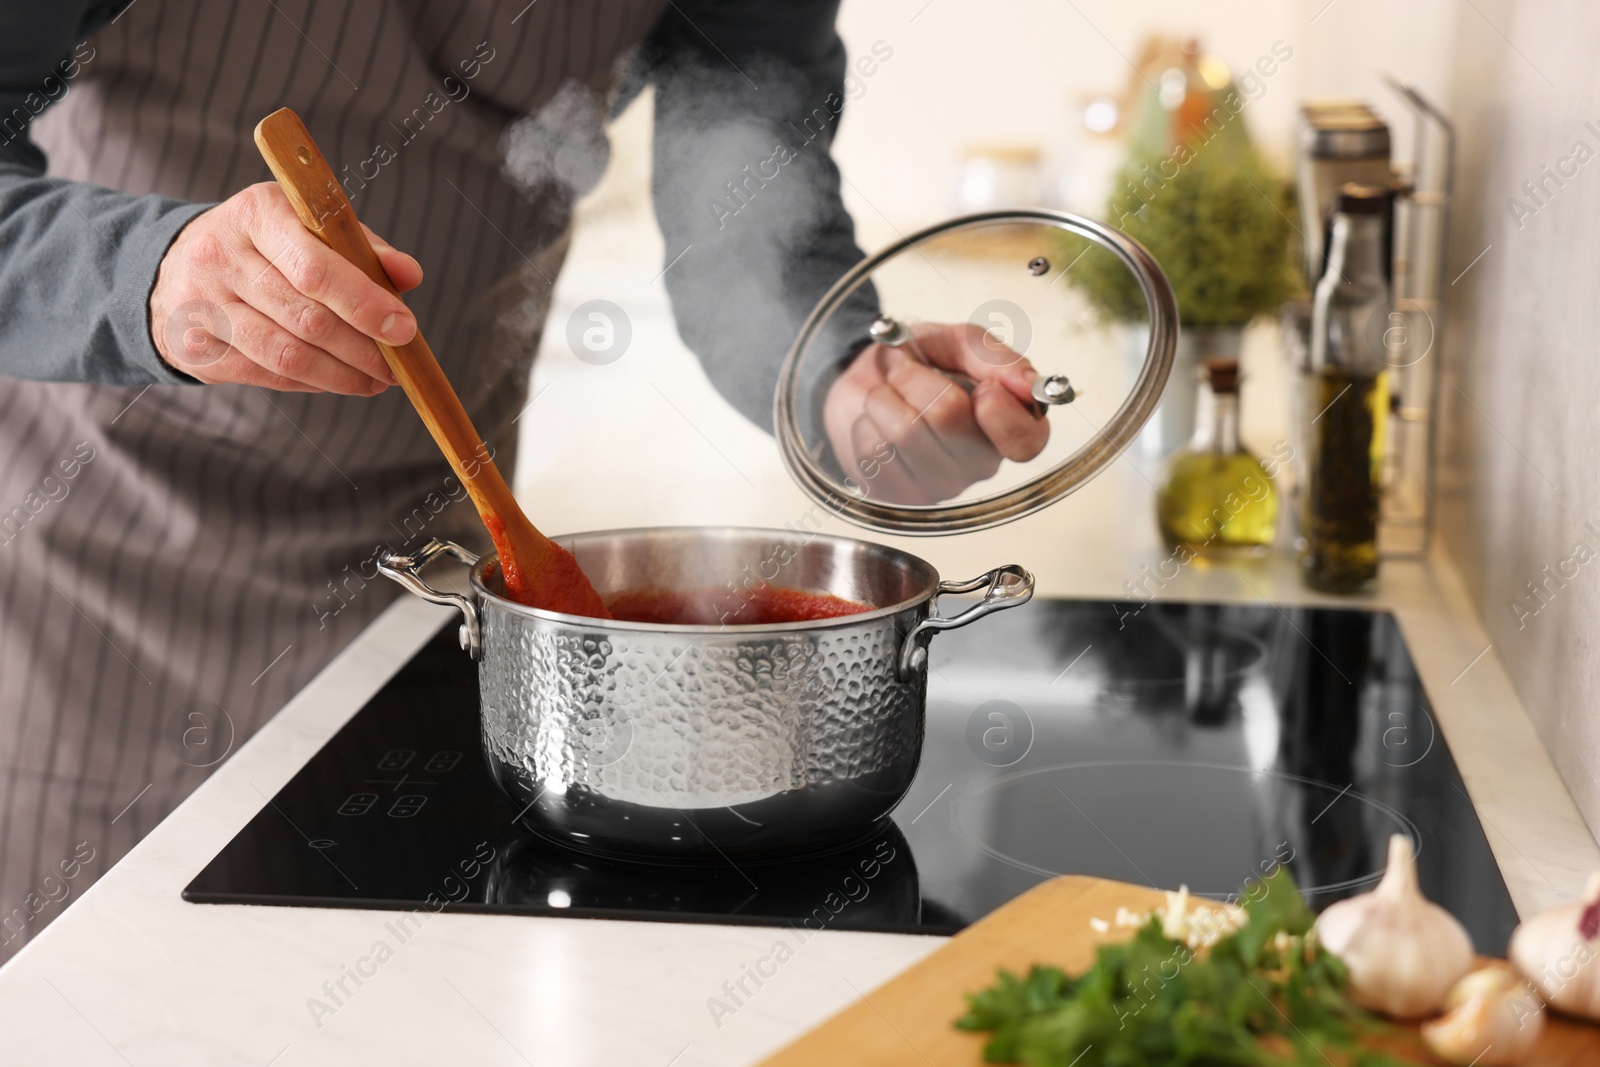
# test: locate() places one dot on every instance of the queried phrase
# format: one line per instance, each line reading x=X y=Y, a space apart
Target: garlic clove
x=1174 y=920
x=1490 y=979
x=1494 y=1020
x=1403 y=952
x=1557 y=951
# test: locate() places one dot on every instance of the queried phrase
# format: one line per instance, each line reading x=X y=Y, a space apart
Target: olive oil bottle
x=1339 y=526
x=1345 y=394
x=1217 y=499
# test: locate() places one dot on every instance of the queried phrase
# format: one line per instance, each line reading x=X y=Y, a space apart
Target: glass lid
x=976 y=372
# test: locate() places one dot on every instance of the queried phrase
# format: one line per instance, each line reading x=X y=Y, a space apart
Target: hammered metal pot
x=714 y=740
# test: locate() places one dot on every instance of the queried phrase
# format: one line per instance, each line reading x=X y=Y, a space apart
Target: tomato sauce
x=559 y=585
x=762 y=605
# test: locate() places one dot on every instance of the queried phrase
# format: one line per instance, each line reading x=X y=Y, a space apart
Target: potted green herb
x=1218 y=223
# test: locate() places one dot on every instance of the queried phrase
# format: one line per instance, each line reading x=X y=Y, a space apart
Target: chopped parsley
x=1265 y=995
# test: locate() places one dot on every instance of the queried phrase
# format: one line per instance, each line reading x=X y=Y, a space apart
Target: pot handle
x=1007 y=587
x=407 y=570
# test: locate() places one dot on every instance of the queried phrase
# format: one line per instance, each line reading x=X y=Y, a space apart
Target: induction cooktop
x=1166 y=744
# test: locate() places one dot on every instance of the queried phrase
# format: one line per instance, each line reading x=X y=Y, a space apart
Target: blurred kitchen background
x=1025 y=103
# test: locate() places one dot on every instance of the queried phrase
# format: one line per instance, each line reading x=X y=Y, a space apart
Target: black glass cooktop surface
x=1171 y=744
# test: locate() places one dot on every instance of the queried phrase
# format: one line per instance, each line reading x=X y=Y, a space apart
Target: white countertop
x=131 y=974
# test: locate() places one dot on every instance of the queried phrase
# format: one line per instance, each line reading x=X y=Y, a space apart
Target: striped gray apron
x=186 y=558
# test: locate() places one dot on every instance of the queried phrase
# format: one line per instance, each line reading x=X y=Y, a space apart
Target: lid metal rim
x=1029 y=497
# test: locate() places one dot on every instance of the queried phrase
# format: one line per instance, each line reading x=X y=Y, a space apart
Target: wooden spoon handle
x=536 y=570
x=311 y=187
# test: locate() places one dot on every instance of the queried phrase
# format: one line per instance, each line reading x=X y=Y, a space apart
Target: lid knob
x=887 y=331
x=1054 y=389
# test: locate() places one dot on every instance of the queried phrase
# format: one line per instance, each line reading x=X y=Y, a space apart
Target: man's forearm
x=76 y=266
x=748 y=97
x=76 y=261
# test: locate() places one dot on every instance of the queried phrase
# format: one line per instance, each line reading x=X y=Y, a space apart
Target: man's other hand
x=909 y=434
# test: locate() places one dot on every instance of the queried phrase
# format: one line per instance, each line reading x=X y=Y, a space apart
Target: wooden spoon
x=538 y=572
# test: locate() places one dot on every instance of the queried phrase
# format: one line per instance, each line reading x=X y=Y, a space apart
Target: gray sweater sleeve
x=77 y=261
x=748 y=96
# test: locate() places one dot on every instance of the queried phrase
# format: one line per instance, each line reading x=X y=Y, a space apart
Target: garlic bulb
x=1494 y=1020
x=1403 y=952
x=1557 y=951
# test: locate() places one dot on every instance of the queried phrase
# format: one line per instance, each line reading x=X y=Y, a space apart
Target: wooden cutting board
x=906 y=1022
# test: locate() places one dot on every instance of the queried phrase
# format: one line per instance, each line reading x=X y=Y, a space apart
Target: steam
x=563 y=146
x=745 y=194
x=744 y=181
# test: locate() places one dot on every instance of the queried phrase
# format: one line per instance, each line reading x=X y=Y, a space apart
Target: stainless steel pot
x=708 y=740
x=739 y=739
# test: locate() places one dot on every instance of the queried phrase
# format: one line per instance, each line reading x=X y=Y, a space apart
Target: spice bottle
x=1345 y=397
x=1215 y=497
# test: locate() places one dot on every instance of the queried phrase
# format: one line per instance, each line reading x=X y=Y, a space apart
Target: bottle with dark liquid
x=1346 y=398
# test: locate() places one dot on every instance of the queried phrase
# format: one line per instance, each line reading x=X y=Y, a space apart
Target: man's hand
x=908 y=434
x=247 y=295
